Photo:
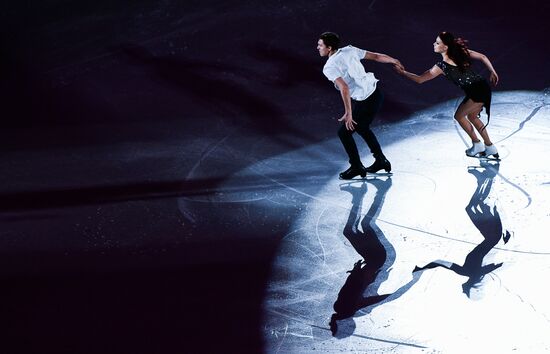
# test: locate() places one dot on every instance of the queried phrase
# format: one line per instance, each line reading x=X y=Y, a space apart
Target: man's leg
x=346 y=137
x=357 y=168
x=364 y=113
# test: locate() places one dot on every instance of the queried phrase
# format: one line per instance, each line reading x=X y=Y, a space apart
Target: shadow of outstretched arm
x=487 y=220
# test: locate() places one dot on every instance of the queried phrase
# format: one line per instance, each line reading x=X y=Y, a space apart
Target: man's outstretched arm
x=382 y=58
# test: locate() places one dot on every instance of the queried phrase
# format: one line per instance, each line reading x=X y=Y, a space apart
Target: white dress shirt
x=346 y=63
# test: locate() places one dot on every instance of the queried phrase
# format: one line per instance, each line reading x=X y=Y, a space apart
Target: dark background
x=112 y=116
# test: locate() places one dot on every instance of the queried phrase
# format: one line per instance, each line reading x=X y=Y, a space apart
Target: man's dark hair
x=331 y=40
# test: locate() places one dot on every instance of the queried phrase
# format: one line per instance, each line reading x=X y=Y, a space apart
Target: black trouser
x=363 y=113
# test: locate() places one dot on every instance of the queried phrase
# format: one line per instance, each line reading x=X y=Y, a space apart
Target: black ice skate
x=354 y=171
x=379 y=164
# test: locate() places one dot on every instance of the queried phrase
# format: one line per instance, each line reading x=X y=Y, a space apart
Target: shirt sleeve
x=332 y=72
x=360 y=53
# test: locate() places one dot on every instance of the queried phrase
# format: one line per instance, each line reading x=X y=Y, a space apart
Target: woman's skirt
x=479 y=91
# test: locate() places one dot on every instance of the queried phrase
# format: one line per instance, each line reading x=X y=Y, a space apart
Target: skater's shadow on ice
x=360 y=292
x=486 y=219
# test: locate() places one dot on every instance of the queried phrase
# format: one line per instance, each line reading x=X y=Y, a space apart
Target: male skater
x=344 y=68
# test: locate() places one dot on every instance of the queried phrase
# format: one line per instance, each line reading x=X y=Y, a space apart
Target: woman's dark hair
x=458 y=51
x=331 y=39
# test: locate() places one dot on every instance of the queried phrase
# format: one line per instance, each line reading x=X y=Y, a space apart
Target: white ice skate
x=476 y=150
x=490 y=152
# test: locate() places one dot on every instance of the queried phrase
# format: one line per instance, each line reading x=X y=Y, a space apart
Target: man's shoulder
x=334 y=60
x=350 y=49
x=351 y=52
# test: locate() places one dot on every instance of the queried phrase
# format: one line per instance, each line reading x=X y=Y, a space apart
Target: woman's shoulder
x=441 y=64
x=444 y=66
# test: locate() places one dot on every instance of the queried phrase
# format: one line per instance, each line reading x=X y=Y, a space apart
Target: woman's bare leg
x=478 y=124
x=461 y=116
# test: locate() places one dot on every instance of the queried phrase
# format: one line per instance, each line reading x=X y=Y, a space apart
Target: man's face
x=322 y=48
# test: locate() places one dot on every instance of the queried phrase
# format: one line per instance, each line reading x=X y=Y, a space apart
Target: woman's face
x=439 y=47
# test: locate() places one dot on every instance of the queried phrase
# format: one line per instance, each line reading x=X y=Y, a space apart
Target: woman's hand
x=400 y=69
x=348 y=121
x=494 y=78
x=397 y=64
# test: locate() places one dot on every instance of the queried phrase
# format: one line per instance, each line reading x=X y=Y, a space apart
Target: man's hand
x=400 y=69
x=348 y=121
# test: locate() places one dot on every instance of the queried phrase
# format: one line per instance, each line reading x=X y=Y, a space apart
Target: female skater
x=456 y=66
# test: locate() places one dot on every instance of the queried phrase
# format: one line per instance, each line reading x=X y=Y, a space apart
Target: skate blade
x=357 y=178
x=485 y=157
x=378 y=174
x=489 y=158
x=368 y=176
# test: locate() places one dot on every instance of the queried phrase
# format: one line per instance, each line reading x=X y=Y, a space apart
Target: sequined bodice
x=460 y=78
